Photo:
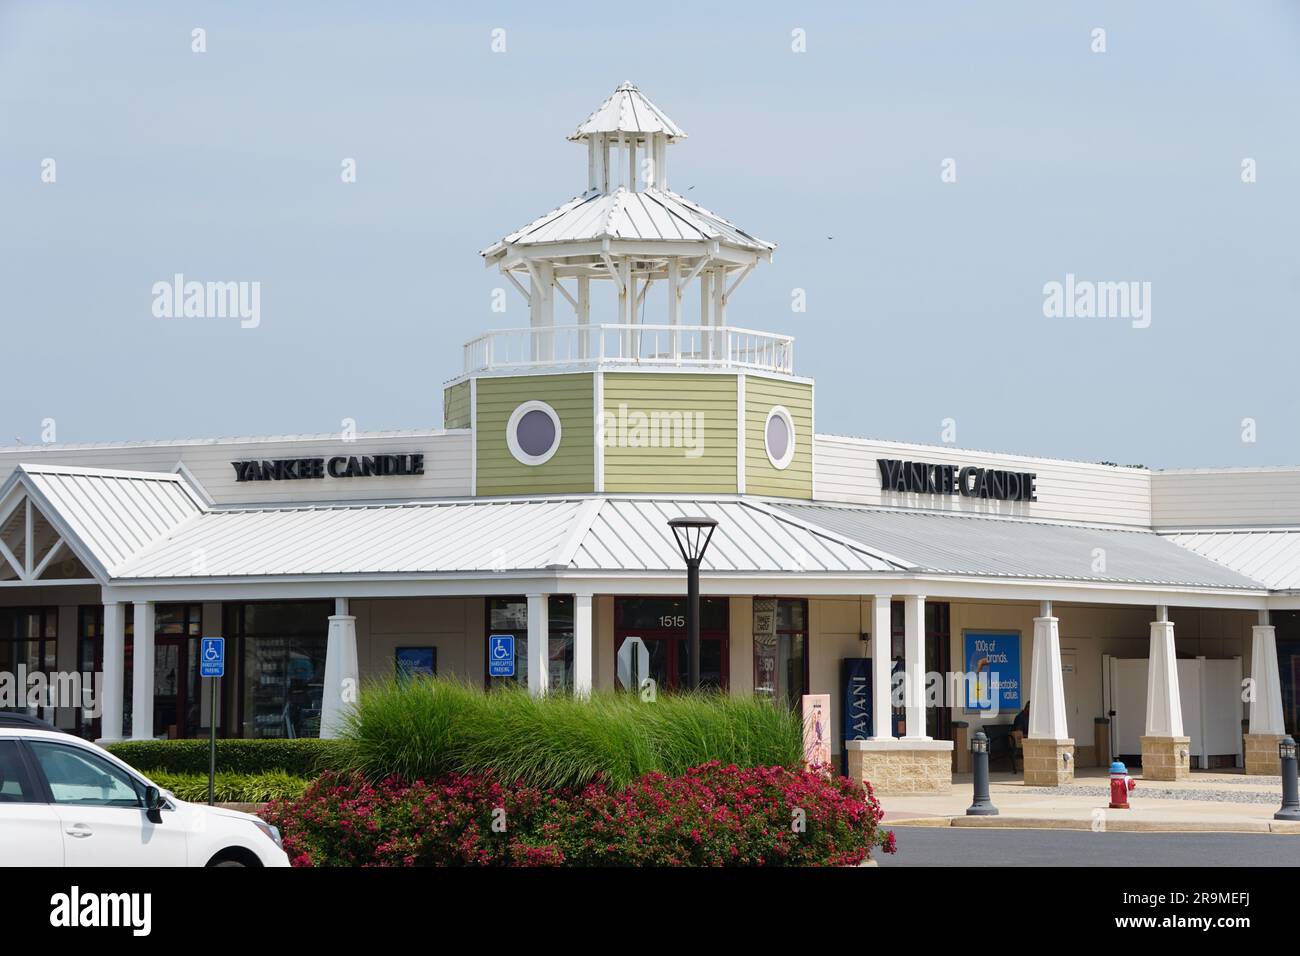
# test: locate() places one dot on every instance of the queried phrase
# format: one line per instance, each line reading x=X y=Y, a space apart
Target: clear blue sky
x=925 y=304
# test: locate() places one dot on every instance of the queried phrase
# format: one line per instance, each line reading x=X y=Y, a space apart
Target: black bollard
x=983 y=806
x=1290 y=788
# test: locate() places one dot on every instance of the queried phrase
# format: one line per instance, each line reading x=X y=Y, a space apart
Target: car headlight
x=272 y=833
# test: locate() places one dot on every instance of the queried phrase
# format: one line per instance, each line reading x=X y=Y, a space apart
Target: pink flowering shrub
x=712 y=815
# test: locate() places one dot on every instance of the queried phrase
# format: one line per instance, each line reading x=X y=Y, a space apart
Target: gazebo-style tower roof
x=627 y=229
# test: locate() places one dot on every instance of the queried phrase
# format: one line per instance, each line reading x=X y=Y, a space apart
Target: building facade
x=929 y=590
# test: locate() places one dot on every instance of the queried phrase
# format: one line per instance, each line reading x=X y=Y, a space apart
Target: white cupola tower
x=630 y=233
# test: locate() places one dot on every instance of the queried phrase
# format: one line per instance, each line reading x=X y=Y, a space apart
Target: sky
x=924 y=294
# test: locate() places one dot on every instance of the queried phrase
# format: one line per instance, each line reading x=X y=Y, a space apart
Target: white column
x=142 y=672
x=1266 y=678
x=914 y=665
x=110 y=705
x=539 y=643
x=706 y=301
x=675 y=304
x=1046 y=687
x=584 y=317
x=719 y=347
x=582 y=645
x=626 y=303
x=547 y=271
x=882 y=701
x=1164 y=705
x=341 y=673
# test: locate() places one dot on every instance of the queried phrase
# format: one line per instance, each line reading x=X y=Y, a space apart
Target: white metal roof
x=644 y=215
x=112 y=514
x=590 y=533
x=141 y=526
x=628 y=111
x=1270 y=556
x=634 y=534
x=1019 y=548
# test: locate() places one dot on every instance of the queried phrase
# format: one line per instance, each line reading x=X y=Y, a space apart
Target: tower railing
x=565 y=346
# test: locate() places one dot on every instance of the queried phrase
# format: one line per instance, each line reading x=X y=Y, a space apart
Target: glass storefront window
x=509 y=615
x=781 y=650
x=29 y=639
x=283 y=681
x=281 y=666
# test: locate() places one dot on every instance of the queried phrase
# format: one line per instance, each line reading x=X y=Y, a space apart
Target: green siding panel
x=670 y=433
x=761 y=476
x=455 y=406
x=570 y=469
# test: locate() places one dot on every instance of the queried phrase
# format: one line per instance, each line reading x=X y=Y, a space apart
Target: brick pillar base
x=1166 y=758
x=901 y=765
x=1261 y=754
x=1048 y=762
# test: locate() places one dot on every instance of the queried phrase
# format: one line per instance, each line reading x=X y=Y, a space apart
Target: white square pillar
x=1164 y=704
x=882 y=700
x=914 y=665
x=1166 y=750
x=341 y=683
x=1266 y=680
x=1046 y=687
x=142 y=672
x=582 y=645
x=114 y=687
x=539 y=644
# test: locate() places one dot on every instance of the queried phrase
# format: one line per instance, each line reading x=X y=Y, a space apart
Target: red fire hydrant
x=1120 y=785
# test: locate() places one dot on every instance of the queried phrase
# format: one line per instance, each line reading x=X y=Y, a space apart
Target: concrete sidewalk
x=1213 y=801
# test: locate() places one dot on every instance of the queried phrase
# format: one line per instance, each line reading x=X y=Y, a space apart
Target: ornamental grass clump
x=425 y=728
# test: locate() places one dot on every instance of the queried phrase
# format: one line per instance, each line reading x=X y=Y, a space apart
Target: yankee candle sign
x=925 y=478
x=340 y=466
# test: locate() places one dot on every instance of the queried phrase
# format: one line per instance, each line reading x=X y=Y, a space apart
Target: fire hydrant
x=1120 y=785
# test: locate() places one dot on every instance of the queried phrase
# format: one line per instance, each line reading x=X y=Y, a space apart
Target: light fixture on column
x=693 y=536
x=981 y=803
x=1290 y=786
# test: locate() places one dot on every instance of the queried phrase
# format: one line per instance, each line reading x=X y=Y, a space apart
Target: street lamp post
x=693 y=537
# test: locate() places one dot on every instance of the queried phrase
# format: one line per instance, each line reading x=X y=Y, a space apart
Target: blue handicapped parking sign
x=212 y=657
x=501 y=655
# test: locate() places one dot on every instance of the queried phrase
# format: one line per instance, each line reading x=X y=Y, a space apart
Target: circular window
x=778 y=437
x=533 y=433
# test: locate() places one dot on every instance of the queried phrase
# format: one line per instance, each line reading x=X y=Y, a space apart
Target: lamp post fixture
x=693 y=537
x=983 y=804
x=1290 y=790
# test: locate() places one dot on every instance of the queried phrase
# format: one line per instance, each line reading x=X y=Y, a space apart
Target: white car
x=66 y=802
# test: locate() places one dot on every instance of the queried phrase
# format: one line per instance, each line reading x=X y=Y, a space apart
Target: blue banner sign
x=993 y=671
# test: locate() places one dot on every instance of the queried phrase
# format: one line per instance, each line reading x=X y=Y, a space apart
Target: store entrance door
x=175 y=697
x=661 y=623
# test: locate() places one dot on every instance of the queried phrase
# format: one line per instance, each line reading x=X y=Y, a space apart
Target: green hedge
x=301 y=757
x=233 y=787
x=425 y=728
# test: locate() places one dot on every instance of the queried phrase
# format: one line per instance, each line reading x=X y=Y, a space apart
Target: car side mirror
x=153 y=803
